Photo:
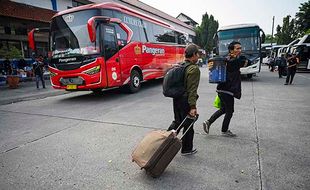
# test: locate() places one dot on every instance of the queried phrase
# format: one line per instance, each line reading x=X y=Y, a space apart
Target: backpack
x=173 y=85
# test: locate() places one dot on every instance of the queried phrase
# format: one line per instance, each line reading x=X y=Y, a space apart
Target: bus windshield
x=248 y=37
x=69 y=35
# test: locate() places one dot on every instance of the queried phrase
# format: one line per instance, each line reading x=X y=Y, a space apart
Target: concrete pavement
x=26 y=91
x=84 y=141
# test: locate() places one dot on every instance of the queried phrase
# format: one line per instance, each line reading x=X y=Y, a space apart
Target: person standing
x=228 y=90
x=38 y=71
x=292 y=61
x=281 y=65
x=186 y=104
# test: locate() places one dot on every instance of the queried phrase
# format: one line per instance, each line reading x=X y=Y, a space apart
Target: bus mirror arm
x=263 y=36
x=31 y=39
x=91 y=26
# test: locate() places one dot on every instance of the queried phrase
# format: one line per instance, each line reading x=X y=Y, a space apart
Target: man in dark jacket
x=228 y=90
x=38 y=71
x=186 y=104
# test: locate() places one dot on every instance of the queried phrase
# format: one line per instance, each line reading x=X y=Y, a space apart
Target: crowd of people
x=21 y=68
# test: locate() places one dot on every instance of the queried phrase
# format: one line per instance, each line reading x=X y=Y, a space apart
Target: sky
x=228 y=12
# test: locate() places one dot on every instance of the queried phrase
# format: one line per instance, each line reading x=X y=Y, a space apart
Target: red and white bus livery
x=108 y=45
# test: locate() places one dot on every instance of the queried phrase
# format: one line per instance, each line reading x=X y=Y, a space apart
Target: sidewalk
x=27 y=90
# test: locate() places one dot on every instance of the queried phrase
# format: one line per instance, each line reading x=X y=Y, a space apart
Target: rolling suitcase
x=158 y=148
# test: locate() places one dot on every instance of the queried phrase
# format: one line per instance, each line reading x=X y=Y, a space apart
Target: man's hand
x=193 y=112
x=210 y=65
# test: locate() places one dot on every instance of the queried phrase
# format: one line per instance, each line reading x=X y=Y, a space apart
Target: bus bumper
x=250 y=69
x=77 y=81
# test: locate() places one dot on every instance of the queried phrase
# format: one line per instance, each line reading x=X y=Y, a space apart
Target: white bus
x=251 y=36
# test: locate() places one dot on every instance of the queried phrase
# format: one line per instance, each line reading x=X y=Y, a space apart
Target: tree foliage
x=206 y=31
x=269 y=39
x=303 y=18
x=295 y=27
x=287 y=32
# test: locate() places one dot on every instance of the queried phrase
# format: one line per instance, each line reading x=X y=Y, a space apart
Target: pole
x=272 y=30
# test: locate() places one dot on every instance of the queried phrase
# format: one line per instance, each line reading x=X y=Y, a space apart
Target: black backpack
x=173 y=85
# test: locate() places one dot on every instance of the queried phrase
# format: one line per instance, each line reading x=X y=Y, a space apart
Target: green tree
x=268 y=39
x=303 y=18
x=206 y=31
x=287 y=32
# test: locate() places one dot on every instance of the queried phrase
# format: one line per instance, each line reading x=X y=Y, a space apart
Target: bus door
x=111 y=55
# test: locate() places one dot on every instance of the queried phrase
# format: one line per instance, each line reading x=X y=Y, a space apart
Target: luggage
x=217 y=73
x=158 y=148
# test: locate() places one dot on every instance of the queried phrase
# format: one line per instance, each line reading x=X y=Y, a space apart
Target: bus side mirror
x=263 y=37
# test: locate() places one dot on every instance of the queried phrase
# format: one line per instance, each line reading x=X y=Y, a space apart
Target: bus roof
x=114 y=6
x=237 y=26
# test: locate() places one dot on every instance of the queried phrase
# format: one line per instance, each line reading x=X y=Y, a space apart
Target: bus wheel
x=135 y=82
x=249 y=76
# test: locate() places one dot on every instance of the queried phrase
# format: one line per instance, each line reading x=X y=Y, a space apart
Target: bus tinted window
x=148 y=26
x=248 y=37
x=121 y=35
x=168 y=36
x=181 y=38
x=109 y=43
x=143 y=32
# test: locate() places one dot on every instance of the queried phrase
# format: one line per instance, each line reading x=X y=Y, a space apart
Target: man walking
x=38 y=71
x=186 y=104
x=228 y=90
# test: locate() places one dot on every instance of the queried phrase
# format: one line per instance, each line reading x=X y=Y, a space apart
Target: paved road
x=84 y=141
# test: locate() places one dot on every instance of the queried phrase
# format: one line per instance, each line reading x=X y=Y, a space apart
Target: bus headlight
x=93 y=70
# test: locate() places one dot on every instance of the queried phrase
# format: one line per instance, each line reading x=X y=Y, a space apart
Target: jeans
x=38 y=78
x=227 y=108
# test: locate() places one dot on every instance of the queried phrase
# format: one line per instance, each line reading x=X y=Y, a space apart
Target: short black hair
x=191 y=50
x=231 y=46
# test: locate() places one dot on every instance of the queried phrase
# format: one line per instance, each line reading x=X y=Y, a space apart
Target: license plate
x=71 y=86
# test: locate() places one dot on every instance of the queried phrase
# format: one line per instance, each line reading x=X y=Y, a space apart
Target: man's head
x=234 y=48
x=191 y=53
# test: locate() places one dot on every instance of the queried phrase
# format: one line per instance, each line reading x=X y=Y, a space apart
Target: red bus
x=99 y=46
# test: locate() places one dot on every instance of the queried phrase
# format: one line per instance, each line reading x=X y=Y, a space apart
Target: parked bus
x=107 y=45
x=302 y=50
x=251 y=36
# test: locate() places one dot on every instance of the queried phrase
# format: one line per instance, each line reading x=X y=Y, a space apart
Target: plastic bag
x=217 y=102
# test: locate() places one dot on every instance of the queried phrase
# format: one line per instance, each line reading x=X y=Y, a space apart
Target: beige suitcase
x=157 y=149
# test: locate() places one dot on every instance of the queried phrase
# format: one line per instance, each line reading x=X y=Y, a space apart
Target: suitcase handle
x=194 y=119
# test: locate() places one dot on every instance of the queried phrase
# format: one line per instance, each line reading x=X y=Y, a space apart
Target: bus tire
x=135 y=82
x=249 y=76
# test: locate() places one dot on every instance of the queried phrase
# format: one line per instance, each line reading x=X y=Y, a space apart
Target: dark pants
x=227 y=108
x=290 y=75
x=181 y=109
x=38 y=78
x=281 y=71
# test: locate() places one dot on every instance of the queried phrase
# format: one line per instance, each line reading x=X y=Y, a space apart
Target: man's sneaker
x=206 y=126
x=228 y=134
x=194 y=151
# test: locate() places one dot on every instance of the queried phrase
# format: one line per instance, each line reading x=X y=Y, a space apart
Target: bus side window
x=143 y=33
x=121 y=36
x=148 y=27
